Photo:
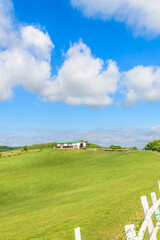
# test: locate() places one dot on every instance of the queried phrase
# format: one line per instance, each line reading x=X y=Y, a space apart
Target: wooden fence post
x=130 y=232
x=146 y=210
x=77 y=233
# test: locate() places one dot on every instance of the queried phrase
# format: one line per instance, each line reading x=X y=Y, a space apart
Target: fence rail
x=147 y=223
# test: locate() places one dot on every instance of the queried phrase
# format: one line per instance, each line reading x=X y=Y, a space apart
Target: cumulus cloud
x=142 y=15
x=142 y=83
x=84 y=79
x=24 y=55
x=19 y=67
x=37 y=41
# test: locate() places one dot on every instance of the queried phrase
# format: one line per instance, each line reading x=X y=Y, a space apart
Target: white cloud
x=23 y=60
x=142 y=15
x=84 y=79
x=19 y=67
x=37 y=41
x=142 y=83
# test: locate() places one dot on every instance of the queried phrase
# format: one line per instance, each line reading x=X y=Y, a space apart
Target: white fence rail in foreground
x=147 y=223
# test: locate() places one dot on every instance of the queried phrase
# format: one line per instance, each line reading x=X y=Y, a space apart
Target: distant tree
x=25 y=148
x=133 y=148
x=154 y=146
x=115 y=147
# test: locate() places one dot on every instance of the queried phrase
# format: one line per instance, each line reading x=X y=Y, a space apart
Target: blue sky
x=71 y=70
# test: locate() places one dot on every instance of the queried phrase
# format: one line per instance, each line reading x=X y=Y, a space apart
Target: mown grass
x=45 y=195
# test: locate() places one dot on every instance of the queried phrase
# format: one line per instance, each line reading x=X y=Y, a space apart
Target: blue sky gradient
x=27 y=119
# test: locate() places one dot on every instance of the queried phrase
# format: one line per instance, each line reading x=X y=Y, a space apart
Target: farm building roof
x=74 y=141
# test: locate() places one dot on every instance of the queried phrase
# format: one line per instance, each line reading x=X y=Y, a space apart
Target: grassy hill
x=45 y=195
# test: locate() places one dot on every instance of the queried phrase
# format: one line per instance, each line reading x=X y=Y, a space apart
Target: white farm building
x=72 y=144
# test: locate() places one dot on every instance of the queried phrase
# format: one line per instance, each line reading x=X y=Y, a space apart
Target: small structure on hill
x=77 y=144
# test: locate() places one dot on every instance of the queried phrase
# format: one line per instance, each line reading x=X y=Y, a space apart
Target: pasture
x=46 y=194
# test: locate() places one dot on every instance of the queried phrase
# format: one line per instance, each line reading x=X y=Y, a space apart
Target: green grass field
x=45 y=195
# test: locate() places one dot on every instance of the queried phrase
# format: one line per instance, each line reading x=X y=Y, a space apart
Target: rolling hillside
x=45 y=195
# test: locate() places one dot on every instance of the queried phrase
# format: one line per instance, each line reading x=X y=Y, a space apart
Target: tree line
x=6 y=148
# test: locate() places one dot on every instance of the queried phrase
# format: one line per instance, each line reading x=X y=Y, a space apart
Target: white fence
x=77 y=234
x=147 y=223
